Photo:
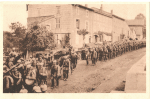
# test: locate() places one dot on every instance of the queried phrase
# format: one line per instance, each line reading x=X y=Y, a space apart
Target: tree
x=83 y=32
x=18 y=29
x=38 y=38
x=18 y=34
x=7 y=40
x=66 y=41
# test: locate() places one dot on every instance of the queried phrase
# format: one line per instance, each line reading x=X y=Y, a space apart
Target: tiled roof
x=82 y=6
x=101 y=12
x=96 y=10
x=118 y=17
x=135 y=22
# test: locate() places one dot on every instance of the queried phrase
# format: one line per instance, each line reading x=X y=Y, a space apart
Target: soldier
x=54 y=75
x=105 y=53
x=97 y=51
x=83 y=54
x=40 y=64
x=87 y=57
x=73 y=58
x=8 y=81
x=11 y=61
x=94 y=57
x=100 y=53
x=109 y=51
x=119 y=50
x=66 y=69
x=30 y=77
x=13 y=53
x=17 y=76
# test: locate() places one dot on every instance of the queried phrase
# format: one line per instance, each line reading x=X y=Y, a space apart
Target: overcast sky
x=17 y=12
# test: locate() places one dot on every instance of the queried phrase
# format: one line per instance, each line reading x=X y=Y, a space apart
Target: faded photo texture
x=74 y=48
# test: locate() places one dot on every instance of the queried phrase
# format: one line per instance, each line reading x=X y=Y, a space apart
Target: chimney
x=101 y=7
x=112 y=12
x=27 y=7
x=86 y=5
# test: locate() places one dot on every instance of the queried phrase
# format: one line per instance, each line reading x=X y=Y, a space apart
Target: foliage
x=83 y=32
x=7 y=40
x=66 y=41
x=15 y=39
x=34 y=39
x=18 y=29
x=38 y=38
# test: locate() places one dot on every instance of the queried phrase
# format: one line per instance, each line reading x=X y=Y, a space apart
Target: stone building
x=139 y=25
x=68 y=19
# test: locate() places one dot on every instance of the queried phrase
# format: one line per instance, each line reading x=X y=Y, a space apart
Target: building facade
x=68 y=19
x=139 y=25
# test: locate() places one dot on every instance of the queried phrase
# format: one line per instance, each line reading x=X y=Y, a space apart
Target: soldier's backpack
x=43 y=71
x=66 y=63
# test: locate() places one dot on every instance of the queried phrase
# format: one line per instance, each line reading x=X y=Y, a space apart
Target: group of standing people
x=61 y=68
x=30 y=75
x=26 y=75
x=110 y=50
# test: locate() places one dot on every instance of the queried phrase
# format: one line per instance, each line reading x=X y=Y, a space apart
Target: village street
x=104 y=75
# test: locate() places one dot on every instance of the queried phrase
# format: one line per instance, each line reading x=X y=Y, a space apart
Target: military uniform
x=73 y=58
x=100 y=53
x=87 y=57
x=8 y=81
x=41 y=70
x=105 y=53
x=94 y=57
x=16 y=75
x=54 y=75
x=65 y=69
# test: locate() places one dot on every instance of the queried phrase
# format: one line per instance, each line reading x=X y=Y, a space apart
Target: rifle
x=15 y=66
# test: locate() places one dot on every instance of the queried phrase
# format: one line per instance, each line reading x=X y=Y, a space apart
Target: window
x=57 y=23
x=96 y=38
x=90 y=39
x=77 y=10
x=58 y=9
x=87 y=25
x=77 y=23
x=87 y=13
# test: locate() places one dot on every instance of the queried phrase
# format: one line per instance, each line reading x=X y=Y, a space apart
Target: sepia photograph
x=74 y=48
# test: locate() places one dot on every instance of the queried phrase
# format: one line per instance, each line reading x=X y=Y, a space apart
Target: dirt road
x=101 y=78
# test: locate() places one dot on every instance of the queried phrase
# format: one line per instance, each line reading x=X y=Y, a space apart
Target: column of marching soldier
x=111 y=50
x=30 y=76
